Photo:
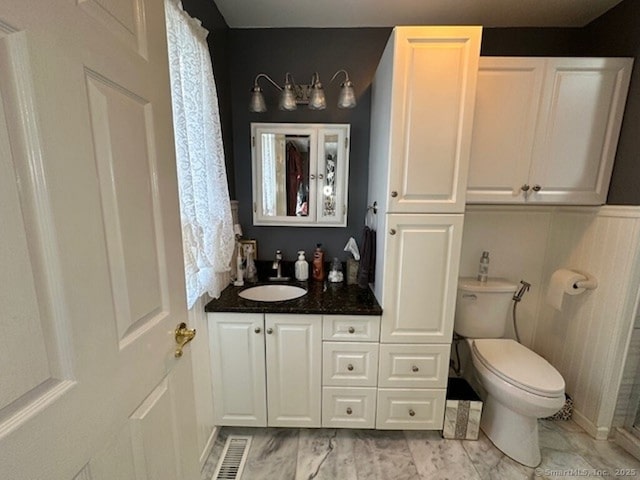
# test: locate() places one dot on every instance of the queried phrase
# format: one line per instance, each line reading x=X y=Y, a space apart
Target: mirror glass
x=328 y=177
x=285 y=174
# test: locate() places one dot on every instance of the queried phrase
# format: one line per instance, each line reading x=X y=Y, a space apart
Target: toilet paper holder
x=589 y=283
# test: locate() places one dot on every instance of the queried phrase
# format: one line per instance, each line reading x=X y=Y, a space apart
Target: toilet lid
x=519 y=366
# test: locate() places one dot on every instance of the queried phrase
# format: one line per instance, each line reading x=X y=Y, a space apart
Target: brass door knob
x=183 y=335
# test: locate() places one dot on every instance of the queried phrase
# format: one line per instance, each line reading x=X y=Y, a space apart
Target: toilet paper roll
x=563 y=282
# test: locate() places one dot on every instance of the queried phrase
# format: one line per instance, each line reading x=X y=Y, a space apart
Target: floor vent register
x=233 y=458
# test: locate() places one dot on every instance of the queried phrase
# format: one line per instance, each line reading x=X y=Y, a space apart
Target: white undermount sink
x=272 y=293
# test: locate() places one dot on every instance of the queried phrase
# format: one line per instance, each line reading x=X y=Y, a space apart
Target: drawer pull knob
x=352 y=330
x=412 y=413
x=415 y=369
x=349 y=411
x=350 y=367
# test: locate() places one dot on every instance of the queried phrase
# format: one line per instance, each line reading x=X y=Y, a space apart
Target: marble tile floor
x=342 y=454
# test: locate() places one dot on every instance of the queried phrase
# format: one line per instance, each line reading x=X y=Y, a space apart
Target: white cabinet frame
x=319 y=171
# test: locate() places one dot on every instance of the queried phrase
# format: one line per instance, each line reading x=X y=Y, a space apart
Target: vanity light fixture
x=293 y=94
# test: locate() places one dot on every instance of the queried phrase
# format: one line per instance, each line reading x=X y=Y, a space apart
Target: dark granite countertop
x=336 y=299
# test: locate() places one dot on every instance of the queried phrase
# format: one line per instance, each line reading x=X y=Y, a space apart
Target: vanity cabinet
x=294 y=370
x=546 y=129
x=300 y=174
x=350 y=357
x=266 y=369
x=423 y=97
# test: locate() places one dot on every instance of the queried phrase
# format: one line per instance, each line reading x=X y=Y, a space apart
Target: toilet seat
x=519 y=366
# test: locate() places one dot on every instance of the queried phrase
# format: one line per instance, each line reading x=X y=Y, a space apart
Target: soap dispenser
x=302 y=267
x=318 y=263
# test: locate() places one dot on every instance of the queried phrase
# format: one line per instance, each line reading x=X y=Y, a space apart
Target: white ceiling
x=381 y=13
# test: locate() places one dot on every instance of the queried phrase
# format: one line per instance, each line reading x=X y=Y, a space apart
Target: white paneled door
x=91 y=268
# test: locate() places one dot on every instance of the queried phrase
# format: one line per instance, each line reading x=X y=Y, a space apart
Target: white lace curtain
x=205 y=211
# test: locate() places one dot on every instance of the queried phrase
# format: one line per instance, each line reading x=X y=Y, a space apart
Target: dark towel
x=367 y=270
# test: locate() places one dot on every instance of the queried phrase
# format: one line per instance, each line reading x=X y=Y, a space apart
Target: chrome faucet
x=277 y=266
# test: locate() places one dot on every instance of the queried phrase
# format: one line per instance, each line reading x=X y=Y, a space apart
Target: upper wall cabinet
x=300 y=174
x=546 y=129
x=422 y=114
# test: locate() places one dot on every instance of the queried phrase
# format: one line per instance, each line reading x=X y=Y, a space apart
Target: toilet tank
x=482 y=308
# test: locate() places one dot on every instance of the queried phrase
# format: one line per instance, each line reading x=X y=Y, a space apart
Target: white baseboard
x=628 y=441
x=208 y=446
x=599 y=433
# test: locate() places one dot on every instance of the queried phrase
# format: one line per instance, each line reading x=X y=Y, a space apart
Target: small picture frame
x=252 y=243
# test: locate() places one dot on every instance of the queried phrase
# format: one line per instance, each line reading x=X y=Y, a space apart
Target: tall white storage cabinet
x=421 y=123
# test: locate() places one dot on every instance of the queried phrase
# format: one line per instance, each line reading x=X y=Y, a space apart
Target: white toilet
x=521 y=386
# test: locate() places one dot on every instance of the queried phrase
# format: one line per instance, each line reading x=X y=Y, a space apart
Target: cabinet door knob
x=257 y=330
x=537 y=188
x=349 y=411
x=394 y=194
x=415 y=369
x=352 y=330
x=320 y=176
x=350 y=367
x=269 y=331
x=392 y=231
x=525 y=188
x=312 y=176
x=412 y=413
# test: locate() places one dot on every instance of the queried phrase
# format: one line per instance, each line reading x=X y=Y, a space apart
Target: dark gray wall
x=530 y=42
x=207 y=12
x=617 y=33
x=302 y=52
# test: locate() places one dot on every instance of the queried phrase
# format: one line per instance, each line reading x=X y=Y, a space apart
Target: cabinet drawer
x=348 y=407
x=414 y=366
x=351 y=328
x=350 y=364
x=410 y=409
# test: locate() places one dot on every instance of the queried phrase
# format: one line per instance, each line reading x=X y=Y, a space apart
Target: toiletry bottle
x=240 y=270
x=483 y=270
x=318 y=263
x=302 y=267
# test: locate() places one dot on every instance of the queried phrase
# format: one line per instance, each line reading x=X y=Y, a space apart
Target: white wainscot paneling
x=516 y=238
x=588 y=340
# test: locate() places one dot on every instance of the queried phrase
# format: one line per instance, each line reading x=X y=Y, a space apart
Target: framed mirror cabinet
x=300 y=174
